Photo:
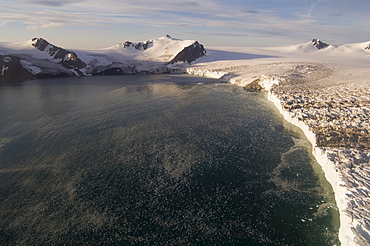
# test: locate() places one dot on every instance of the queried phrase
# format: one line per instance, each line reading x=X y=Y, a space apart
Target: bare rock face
x=190 y=53
x=367 y=47
x=12 y=70
x=116 y=68
x=138 y=46
x=319 y=44
x=68 y=59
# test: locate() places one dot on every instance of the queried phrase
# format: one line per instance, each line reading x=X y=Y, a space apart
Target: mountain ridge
x=38 y=58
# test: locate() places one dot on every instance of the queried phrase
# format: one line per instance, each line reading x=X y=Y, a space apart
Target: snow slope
x=162 y=49
x=39 y=58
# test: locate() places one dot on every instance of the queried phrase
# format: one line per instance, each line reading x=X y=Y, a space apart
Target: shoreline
x=332 y=176
x=354 y=223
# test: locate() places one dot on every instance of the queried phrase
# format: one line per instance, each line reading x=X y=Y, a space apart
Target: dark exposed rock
x=68 y=59
x=109 y=71
x=367 y=47
x=254 y=85
x=190 y=53
x=116 y=68
x=319 y=44
x=40 y=43
x=138 y=46
x=11 y=70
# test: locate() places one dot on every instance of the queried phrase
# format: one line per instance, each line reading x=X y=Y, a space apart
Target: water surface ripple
x=154 y=160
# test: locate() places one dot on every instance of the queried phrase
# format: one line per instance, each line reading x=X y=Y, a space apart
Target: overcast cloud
x=289 y=20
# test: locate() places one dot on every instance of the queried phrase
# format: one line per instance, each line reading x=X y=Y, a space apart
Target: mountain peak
x=67 y=58
x=40 y=43
x=319 y=44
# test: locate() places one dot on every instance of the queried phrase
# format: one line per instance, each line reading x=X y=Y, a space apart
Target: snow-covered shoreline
x=346 y=233
x=346 y=167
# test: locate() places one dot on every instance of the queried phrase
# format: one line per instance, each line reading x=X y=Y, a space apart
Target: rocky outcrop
x=115 y=68
x=67 y=58
x=319 y=44
x=138 y=46
x=190 y=53
x=367 y=47
x=11 y=70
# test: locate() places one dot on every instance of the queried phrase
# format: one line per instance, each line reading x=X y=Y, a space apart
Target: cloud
x=187 y=14
x=280 y=19
x=230 y=34
x=44 y=26
x=247 y=11
x=187 y=4
x=336 y=15
x=313 y=6
x=108 y=11
x=51 y=3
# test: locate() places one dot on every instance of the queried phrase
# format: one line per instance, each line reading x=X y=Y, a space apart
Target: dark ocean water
x=155 y=160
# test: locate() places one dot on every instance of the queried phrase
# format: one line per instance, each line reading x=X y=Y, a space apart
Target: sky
x=90 y=24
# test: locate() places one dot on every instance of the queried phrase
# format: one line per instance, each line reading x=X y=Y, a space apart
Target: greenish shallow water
x=154 y=160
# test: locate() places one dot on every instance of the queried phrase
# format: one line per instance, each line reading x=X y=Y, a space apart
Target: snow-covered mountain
x=152 y=56
x=319 y=44
x=64 y=57
x=164 y=49
x=38 y=58
x=316 y=45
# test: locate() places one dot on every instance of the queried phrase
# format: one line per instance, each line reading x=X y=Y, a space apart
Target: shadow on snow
x=219 y=55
